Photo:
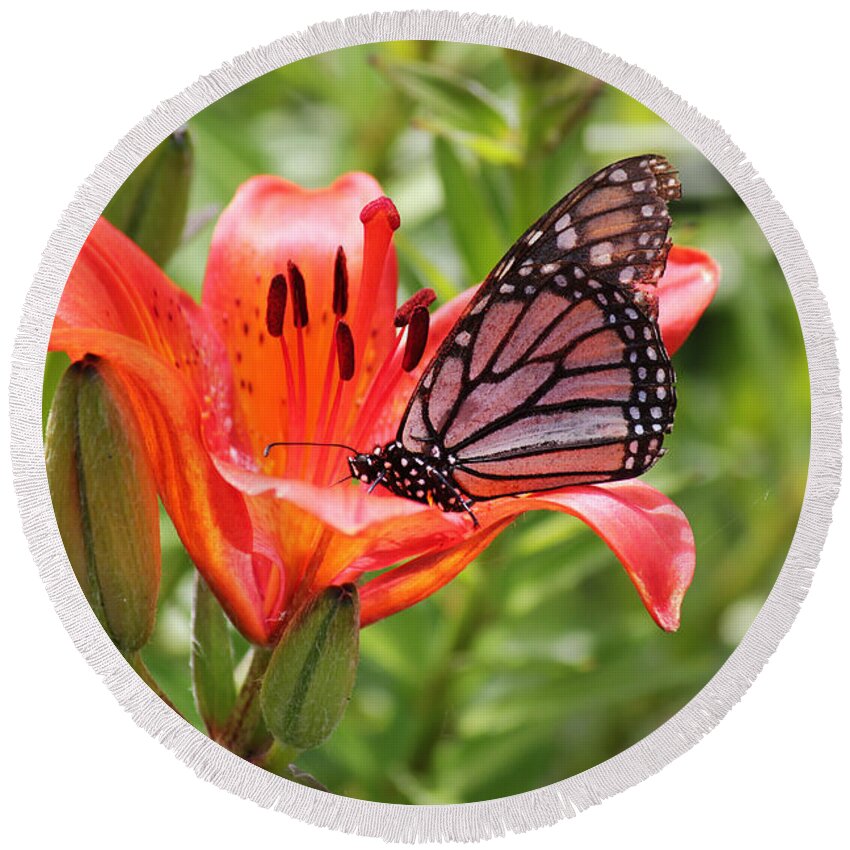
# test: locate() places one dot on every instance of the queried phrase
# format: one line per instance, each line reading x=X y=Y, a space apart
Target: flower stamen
x=340 y=300
x=276 y=306
x=417 y=338
x=275 y=314
x=414 y=324
x=340 y=307
x=345 y=351
x=300 y=314
x=423 y=298
x=344 y=345
x=300 y=319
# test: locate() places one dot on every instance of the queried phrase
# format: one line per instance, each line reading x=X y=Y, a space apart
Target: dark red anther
x=423 y=298
x=300 y=316
x=345 y=351
x=340 y=284
x=417 y=338
x=276 y=305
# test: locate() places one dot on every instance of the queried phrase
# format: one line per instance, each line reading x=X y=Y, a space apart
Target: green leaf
x=501 y=151
x=473 y=220
x=212 y=660
x=460 y=102
x=150 y=207
x=312 y=670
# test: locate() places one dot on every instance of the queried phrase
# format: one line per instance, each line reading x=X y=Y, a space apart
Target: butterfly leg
x=376 y=482
x=465 y=503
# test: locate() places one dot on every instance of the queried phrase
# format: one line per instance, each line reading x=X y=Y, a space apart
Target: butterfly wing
x=555 y=374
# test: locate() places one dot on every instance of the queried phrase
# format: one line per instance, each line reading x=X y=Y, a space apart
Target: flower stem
x=245 y=724
x=278 y=758
x=134 y=659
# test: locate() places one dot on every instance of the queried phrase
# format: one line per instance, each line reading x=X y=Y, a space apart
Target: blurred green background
x=539 y=661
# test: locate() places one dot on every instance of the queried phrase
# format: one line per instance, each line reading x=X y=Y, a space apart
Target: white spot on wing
x=618 y=176
x=480 y=306
x=567 y=239
x=600 y=254
x=505 y=269
x=563 y=222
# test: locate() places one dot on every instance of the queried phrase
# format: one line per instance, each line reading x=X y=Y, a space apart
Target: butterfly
x=555 y=374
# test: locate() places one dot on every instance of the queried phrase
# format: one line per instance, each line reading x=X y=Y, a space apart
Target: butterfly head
x=367 y=467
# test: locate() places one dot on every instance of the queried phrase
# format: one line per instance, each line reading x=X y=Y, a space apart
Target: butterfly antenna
x=270 y=446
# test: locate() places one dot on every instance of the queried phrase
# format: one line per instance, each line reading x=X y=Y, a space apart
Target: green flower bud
x=105 y=501
x=312 y=670
x=212 y=660
x=150 y=207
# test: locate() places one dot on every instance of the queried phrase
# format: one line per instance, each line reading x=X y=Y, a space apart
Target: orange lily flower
x=211 y=388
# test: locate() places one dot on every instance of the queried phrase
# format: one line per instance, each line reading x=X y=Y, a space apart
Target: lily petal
x=647 y=532
x=269 y=223
x=397 y=589
x=685 y=290
x=120 y=306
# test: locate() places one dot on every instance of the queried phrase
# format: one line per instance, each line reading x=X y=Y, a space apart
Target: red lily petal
x=114 y=286
x=685 y=290
x=268 y=224
x=389 y=522
x=119 y=305
x=397 y=589
x=646 y=531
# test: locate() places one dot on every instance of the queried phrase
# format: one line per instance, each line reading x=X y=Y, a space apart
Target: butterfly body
x=555 y=374
x=427 y=478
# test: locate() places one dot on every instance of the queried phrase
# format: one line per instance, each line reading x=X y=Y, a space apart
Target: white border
x=475 y=820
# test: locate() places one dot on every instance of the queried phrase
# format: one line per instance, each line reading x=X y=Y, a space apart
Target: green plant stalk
x=134 y=659
x=278 y=758
x=244 y=731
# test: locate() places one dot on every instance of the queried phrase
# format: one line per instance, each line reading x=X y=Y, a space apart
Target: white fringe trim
x=471 y=821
